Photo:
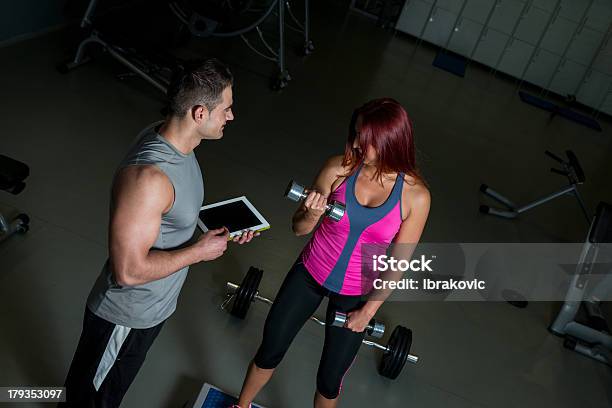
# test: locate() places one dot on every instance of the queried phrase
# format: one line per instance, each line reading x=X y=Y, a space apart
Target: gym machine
x=581 y=321
x=156 y=68
x=395 y=354
x=237 y=18
x=570 y=168
x=12 y=179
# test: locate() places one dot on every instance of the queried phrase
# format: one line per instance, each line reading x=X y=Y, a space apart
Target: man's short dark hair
x=198 y=83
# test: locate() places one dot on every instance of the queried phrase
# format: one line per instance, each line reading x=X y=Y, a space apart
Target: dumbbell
x=395 y=354
x=373 y=329
x=296 y=192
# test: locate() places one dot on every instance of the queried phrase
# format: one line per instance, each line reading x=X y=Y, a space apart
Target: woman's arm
x=309 y=213
x=418 y=201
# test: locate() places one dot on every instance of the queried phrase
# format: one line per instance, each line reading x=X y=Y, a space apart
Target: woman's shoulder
x=335 y=162
x=335 y=165
x=415 y=192
x=333 y=172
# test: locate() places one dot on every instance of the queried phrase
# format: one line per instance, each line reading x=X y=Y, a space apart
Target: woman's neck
x=370 y=172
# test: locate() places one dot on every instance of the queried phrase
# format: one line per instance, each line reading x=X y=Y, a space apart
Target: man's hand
x=212 y=244
x=245 y=237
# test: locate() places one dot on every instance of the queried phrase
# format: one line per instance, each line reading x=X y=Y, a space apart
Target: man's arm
x=141 y=195
x=308 y=214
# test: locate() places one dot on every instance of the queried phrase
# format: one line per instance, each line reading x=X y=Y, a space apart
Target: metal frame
x=282 y=7
x=277 y=55
x=115 y=51
x=8 y=229
x=600 y=347
x=513 y=210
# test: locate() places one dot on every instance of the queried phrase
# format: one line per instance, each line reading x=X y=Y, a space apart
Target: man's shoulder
x=141 y=173
x=147 y=177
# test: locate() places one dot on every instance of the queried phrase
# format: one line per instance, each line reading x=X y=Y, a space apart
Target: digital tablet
x=236 y=214
x=213 y=397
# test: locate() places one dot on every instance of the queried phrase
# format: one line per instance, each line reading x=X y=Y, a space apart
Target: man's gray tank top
x=144 y=306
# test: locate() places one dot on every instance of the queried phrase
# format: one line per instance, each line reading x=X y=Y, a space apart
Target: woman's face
x=370 y=156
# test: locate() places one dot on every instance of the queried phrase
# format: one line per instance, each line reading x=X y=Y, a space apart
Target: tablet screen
x=236 y=216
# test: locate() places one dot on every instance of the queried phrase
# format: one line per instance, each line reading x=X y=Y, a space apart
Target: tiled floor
x=73 y=129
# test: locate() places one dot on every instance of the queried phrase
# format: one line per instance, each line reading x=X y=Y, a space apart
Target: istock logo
x=383 y=263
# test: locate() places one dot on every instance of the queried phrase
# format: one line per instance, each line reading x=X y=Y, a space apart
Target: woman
x=386 y=201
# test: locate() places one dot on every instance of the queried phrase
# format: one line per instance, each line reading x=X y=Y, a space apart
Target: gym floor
x=73 y=130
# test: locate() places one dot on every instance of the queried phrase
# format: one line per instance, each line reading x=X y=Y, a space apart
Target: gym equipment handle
x=554 y=156
x=296 y=192
x=557 y=171
x=373 y=329
x=232 y=288
x=411 y=358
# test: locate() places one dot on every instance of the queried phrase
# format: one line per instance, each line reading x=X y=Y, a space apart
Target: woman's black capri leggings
x=297 y=299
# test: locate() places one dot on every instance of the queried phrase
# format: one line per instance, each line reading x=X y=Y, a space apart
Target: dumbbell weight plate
x=244 y=294
x=251 y=289
x=405 y=349
x=395 y=355
x=257 y=281
x=399 y=345
x=239 y=295
x=391 y=363
x=294 y=191
x=243 y=297
x=241 y=306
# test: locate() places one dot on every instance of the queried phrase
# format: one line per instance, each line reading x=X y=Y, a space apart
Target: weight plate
x=405 y=350
x=257 y=275
x=246 y=292
x=397 y=354
x=399 y=345
x=387 y=358
x=239 y=296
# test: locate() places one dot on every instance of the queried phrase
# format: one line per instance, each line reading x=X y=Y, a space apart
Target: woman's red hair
x=386 y=127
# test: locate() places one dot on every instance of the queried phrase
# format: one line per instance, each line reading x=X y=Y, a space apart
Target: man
x=156 y=196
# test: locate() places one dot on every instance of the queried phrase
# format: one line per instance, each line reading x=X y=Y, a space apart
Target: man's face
x=212 y=128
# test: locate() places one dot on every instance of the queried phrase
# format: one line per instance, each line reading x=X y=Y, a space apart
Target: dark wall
x=20 y=18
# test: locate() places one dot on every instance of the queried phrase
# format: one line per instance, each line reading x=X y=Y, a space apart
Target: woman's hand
x=315 y=204
x=358 y=319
